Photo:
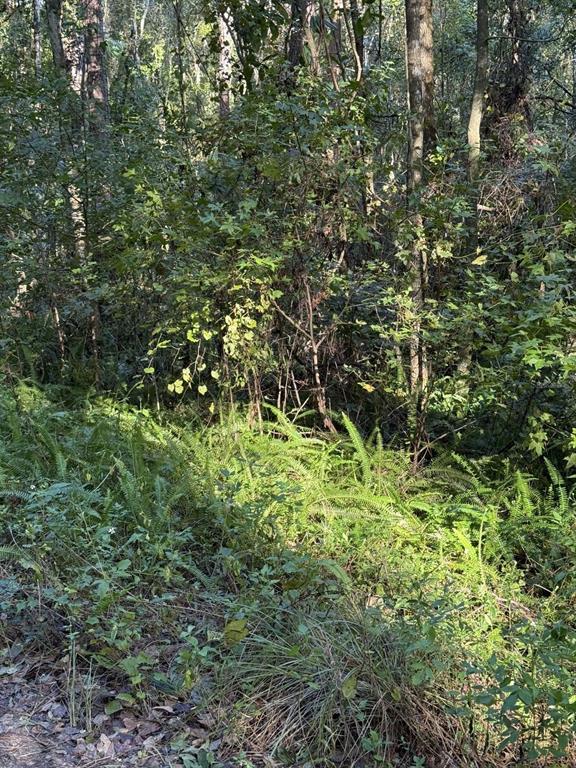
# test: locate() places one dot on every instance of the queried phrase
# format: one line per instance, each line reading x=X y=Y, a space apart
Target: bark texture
x=54 y=24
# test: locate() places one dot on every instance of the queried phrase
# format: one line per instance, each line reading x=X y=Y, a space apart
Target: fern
x=13 y=495
x=523 y=504
x=559 y=485
x=13 y=554
x=360 y=449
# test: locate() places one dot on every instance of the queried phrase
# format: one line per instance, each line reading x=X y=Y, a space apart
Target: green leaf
x=349 y=687
x=127 y=698
x=235 y=631
x=113 y=706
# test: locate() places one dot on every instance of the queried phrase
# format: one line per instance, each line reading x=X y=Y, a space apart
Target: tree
x=95 y=78
x=224 y=73
x=479 y=92
x=421 y=140
x=36 y=23
x=54 y=21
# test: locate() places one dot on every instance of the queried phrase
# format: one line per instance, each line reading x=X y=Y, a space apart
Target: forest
x=287 y=383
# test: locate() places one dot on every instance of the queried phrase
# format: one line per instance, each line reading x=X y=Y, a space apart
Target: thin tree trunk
x=95 y=75
x=573 y=74
x=479 y=93
x=296 y=33
x=97 y=117
x=357 y=37
x=224 y=75
x=180 y=69
x=37 y=37
x=54 y=24
x=421 y=139
x=331 y=39
x=310 y=8
x=474 y=149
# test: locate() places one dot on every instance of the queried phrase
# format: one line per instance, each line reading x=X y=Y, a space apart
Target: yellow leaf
x=479 y=260
x=349 y=687
x=235 y=631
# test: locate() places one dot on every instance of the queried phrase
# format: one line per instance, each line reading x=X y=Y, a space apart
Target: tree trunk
x=421 y=139
x=479 y=93
x=510 y=96
x=300 y=32
x=334 y=47
x=95 y=78
x=357 y=37
x=474 y=148
x=420 y=72
x=573 y=78
x=476 y=115
x=180 y=68
x=296 y=33
x=54 y=23
x=518 y=74
x=37 y=37
x=224 y=75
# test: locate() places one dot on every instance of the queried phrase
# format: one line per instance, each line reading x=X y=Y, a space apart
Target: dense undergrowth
x=323 y=603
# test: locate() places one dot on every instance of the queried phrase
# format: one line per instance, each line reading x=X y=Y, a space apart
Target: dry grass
x=335 y=691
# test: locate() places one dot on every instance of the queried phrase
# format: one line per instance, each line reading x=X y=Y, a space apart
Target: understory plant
x=344 y=608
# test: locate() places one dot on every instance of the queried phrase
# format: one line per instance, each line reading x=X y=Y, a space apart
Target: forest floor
x=36 y=729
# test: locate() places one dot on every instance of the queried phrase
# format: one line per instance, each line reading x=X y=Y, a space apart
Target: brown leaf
x=168 y=709
x=147 y=727
x=197 y=733
x=105 y=746
x=130 y=724
x=205 y=718
x=151 y=741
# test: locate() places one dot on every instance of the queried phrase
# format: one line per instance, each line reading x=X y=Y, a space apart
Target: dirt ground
x=38 y=730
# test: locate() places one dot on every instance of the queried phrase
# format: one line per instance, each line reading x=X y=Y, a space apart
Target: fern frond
x=360 y=449
x=524 y=503
x=13 y=495
x=13 y=554
x=559 y=484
